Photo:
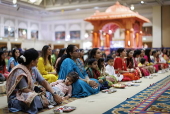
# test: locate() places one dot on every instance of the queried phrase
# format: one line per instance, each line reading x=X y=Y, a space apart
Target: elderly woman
x=45 y=65
x=70 y=62
x=20 y=85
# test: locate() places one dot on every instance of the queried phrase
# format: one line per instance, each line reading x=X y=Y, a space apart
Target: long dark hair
x=92 y=54
x=147 y=53
x=61 y=52
x=129 y=59
x=120 y=50
x=30 y=54
x=2 y=62
x=44 y=53
x=13 y=54
x=69 y=49
x=82 y=56
x=136 y=52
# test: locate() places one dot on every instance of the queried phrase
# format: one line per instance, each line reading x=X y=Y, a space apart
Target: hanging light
x=110 y=31
x=9 y=28
x=32 y=1
x=24 y=32
x=132 y=7
x=14 y=1
x=86 y=35
x=142 y=2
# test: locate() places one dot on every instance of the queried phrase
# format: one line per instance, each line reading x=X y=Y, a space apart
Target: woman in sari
x=70 y=62
x=130 y=62
x=61 y=53
x=138 y=55
x=120 y=66
x=20 y=85
x=45 y=66
x=152 y=67
x=97 y=54
x=13 y=60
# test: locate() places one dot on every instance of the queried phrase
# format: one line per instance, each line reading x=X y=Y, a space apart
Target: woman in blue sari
x=70 y=62
x=13 y=60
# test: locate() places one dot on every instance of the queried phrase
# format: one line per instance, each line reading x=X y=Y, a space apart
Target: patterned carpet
x=152 y=100
x=5 y=110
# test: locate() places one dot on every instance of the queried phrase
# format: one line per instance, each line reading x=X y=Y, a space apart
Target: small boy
x=110 y=69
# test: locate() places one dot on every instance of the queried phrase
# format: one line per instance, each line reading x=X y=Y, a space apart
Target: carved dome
x=117 y=8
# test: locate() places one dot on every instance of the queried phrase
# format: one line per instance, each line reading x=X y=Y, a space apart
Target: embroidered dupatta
x=15 y=76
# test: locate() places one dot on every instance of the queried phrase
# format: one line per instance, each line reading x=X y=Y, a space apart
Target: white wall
x=157 y=27
x=48 y=24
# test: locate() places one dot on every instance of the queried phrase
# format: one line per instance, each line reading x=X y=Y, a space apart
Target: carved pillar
x=140 y=40
x=137 y=39
x=108 y=38
x=127 y=38
x=96 y=36
x=131 y=38
x=96 y=39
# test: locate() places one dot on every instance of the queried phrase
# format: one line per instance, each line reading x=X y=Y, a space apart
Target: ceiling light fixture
x=14 y=1
x=132 y=7
x=142 y=2
x=32 y=1
x=96 y=7
x=77 y=9
x=9 y=28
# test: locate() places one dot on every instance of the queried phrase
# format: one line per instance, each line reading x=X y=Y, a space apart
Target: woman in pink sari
x=138 y=55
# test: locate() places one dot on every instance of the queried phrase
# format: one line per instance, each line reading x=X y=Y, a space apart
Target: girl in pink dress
x=63 y=87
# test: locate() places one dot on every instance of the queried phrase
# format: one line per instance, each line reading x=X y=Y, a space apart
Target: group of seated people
x=35 y=82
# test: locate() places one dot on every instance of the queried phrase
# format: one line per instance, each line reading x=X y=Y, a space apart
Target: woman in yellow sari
x=45 y=66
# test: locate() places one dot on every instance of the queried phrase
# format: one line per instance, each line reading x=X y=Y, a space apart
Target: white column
x=2 y=27
x=157 y=40
x=29 y=30
x=16 y=28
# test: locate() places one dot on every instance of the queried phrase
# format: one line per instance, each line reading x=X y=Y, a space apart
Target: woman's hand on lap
x=57 y=99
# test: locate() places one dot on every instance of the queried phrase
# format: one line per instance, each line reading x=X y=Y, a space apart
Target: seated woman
x=13 y=60
x=130 y=62
x=3 y=69
x=45 y=66
x=151 y=67
x=92 y=71
x=20 y=85
x=70 y=62
x=143 y=63
x=96 y=54
x=120 y=66
x=61 y=53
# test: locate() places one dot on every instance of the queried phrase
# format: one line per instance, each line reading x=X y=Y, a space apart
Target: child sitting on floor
x=63 y=87
x=93 y=72
x=110 y=69
x=144 y=63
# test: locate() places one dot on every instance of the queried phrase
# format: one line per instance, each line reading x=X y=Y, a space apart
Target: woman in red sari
x=120 y=66
x=130 y=62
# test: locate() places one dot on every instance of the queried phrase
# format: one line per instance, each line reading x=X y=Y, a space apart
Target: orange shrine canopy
x=122 y=16
x=116 y=11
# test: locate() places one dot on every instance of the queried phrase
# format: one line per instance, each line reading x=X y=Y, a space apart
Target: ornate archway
x=125 y=18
